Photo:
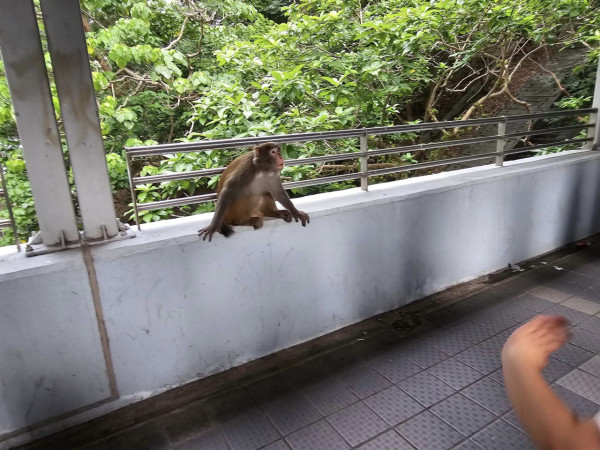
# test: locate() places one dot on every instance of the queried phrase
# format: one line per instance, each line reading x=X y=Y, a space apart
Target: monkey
x=247 y=191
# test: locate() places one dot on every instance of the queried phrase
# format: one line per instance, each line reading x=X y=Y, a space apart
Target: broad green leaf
x=277 y=75
x=163 y=71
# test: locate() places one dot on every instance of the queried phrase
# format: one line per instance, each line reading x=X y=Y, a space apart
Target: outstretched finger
x=544 y=323
x=553 y=334
x=553 y=343
x=553 y=325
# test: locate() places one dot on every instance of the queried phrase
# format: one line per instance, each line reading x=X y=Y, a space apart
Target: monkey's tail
x=226 y=229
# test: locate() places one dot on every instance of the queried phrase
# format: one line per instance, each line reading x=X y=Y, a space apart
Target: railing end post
x=501 y=142
x=364 y=162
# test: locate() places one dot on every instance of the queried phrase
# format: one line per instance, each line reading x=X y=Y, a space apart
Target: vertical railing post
x=133 y=193
x=594 y=132
x=501 y=142
x=364 y=166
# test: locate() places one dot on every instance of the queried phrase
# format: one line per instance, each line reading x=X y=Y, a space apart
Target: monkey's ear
x=256 y=153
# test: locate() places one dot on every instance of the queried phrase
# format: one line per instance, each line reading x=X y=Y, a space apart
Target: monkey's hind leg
x=226 y=229
x=256 y=222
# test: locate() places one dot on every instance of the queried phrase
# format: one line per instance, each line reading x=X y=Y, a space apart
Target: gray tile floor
x=440 y=387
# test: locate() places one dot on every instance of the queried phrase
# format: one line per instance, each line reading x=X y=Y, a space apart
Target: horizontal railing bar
x=323 y=158
x=177 y=176
x=216 y=171
x=5 y=223
x=550 y=144
x=342 y=156
x=430 y=126
x=323 y=180
x=546 y=115
x=470 y=141
x=200 y=146
x=161 y=149
x=176 y=202
x=418 y=166
x=353 y=176
x=209 y=197
x=550 y=130
x=519 y=150
x=433 y=145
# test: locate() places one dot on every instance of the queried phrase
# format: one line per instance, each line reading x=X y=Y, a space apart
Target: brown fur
x=247 y=191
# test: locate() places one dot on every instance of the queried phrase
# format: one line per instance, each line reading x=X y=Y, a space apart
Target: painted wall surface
x=51 y=360
x=177 y=308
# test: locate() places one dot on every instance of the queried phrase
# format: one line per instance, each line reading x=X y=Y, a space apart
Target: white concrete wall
x=177 y=308
x=51 y=360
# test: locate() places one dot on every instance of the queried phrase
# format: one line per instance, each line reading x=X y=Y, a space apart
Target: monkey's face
x=275 y=153
x=268 y=157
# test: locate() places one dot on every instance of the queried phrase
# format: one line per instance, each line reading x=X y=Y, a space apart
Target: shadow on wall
x=518 y=229
x=589 y=213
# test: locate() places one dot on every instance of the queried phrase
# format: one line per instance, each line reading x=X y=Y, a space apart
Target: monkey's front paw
x=303 y=218
x=207 y=233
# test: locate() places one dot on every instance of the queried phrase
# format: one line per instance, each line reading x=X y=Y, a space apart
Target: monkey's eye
x=274 y=151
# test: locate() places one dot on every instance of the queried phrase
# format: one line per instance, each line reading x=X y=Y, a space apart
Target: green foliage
x=19 y=192
x=579 y=84
x=272 y=9
x=409 y=158
x=167 y=71
x=117 y=170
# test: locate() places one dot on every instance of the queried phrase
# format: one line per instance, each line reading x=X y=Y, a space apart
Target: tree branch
x=168 y=47
x=170 y=137
x=557 y=81
x=135 y=91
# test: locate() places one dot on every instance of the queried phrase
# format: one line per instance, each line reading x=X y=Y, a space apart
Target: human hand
x=531 y=344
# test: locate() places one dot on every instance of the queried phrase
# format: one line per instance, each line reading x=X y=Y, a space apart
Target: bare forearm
x=549 y=422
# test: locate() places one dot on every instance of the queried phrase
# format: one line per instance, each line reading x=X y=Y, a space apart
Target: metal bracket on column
x=35 y=246
x=125 y=232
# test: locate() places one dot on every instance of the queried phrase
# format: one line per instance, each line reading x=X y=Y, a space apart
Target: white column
x=68 y=50
x=595 y=118
x=29 y=89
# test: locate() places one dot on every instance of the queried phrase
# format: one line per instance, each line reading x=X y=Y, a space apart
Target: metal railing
x=10 y=222
x=362 y=154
